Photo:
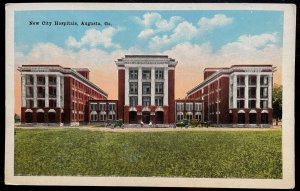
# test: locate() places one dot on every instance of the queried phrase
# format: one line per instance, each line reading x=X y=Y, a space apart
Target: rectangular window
x=112 y=106
x=93 y=117
x=252 y=104
x=29 y=80
x=179 y=106
x=264 y=104
x=146 y=88
x=133 y=87
x=93 y=106
x=240 y=92
x=102 y=106
x=133 y=100
x=41 y=92
x=29 y=92
x=264 y=80
x=102 y=116
x=146 y=74
x=52 y=103
x=198 y=107
x=29 y=103
x=52 y=92
x=264 y=92
x=240 y=104
x=133 y=74
x=52 y=80
x=159 y=101
x=179 y=116
x=146 y=101
x=159 y=74
x=240 y=80
x=159 y=88
x=41 y=80
x=111 y=117
x=189 y=106
x=252 y=92
x=41 y=103
x=252 y=80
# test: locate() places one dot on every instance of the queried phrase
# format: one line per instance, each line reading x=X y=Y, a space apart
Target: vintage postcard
x=164 y=95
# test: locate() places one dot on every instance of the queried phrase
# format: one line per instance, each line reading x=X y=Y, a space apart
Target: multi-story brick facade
x=189 y=109
x=146 y=88
x=241 y=94
x=53 y=94
x=102 y=110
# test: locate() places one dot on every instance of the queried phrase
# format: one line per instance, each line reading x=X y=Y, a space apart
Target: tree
x=277 y=102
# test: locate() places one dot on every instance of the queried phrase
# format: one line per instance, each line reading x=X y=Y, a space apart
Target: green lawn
x=218 y=154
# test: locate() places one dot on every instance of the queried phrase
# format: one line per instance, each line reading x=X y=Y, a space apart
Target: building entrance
x=159 y=117
x=146 y=117
x=132 y=117
x=40 y=117
x=51 y=117
x=28 y=117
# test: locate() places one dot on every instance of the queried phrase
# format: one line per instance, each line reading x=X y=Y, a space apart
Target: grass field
x=217 y=154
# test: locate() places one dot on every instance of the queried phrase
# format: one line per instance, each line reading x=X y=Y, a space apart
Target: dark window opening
x=241 y=118
x=252 y=118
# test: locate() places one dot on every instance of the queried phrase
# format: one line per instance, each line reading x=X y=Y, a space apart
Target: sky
x=196 y=39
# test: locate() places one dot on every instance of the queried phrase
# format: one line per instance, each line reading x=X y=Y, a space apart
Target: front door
x=146 y=117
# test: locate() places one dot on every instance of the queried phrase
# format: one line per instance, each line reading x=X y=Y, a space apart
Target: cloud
x=256 y=49
x=186 y=31
x=153 y=23
x=217 y=21
x=93 y=38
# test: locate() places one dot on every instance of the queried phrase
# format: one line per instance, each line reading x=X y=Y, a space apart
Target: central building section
x=146 y=89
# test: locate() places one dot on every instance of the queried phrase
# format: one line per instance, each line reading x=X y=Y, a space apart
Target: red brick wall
x=121 y=95
x=208 y=73
x=171 y=94
x=224 y=98
x=67 y=99
x=84 y=74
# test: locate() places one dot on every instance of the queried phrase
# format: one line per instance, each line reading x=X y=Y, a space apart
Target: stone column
x=140 y=86
x=270 y=84
x=58 y=91
x=152 y=86
x=258 y=91
x=246 y=91
x=46 y=91
x=23 y=78
x=126 y=86
x=34 y=90
x=166 y=86
x=234 y=92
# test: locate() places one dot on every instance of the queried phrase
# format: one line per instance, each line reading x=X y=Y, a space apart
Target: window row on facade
x=102 y=106
x=252 y=80
x=146 y=74
x=189 y=106
x=102 y=116
x=146 y=101
x=146 y=88
x=189 y=116
x=252 y=92
x=29 y=80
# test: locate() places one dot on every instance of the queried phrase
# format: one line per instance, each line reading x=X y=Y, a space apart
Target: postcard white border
x=288 y=68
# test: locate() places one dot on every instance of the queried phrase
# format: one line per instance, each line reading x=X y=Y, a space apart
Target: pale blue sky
x=242 y=23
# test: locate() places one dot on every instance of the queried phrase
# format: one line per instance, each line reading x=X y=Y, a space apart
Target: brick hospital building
x=240 y=95
x=146 y=88
x=54 y=94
